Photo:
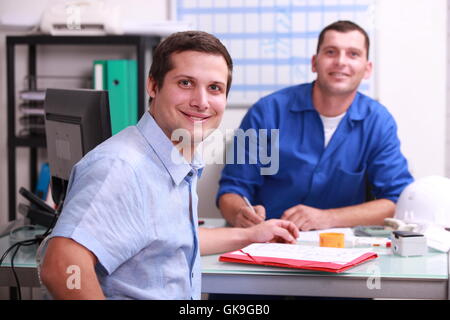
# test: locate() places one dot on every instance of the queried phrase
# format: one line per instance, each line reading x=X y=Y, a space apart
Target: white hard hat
x=425 y=201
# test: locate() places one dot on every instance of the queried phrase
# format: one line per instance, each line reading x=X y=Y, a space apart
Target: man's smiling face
x=341 y=63
x=193 y=94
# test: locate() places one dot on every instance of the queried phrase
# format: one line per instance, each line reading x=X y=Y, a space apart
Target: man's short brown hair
x=187 y=41
x=344 y=26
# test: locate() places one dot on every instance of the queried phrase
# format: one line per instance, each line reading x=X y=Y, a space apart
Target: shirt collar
x=356 y=111
x=177 y=166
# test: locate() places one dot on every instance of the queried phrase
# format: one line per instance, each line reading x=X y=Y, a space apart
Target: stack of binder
x=31 y=118
x=119 y=78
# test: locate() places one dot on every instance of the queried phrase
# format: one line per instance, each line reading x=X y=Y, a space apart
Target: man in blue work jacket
x=334 y=142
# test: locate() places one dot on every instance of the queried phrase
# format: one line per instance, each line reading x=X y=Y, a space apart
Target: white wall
x=411 y=76
x=447 y=158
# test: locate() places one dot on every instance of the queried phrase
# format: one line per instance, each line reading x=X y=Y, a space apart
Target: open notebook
x=299 y=256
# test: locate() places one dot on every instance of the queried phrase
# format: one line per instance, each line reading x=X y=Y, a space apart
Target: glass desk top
x=434 y=265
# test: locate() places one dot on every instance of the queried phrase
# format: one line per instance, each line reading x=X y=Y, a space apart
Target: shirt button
x=192 y=275
x=190 y=174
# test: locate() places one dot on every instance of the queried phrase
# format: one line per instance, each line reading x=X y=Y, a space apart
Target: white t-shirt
x=329 y=126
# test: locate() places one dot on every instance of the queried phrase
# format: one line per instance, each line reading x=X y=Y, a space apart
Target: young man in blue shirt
x=129 y=223
x=333 y=142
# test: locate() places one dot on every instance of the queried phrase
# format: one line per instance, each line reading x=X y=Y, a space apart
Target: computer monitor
x=76 y=121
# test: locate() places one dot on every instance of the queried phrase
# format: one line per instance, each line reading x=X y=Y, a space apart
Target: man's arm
x=64 y=260
x=238 y=213
x=219 y=240
x=369 y=213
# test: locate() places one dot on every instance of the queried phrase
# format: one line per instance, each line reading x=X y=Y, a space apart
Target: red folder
x=293 y=263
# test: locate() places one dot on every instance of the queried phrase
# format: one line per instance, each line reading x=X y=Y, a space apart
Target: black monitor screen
x=76 y=121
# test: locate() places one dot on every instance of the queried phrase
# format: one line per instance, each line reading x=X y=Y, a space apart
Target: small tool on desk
x=371 y=242
x=332 y=239
x=408 y=243
x=373 y=231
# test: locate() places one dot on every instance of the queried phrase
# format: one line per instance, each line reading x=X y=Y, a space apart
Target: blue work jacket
x=364 y=150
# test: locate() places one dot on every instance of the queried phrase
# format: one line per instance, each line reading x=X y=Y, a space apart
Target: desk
x=24 y=264
x=399 y=277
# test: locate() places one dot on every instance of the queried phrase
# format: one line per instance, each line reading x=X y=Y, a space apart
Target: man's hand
x=274 y=230
x=369 y=213
x=308 y=218
x=247 y=217
x=217 y=240
x=238 y=213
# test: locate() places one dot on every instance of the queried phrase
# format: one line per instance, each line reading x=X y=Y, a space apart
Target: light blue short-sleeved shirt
x=133 y=205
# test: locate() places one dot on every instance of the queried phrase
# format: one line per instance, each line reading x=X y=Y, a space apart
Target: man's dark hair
x=187 y=41
x=344 y=26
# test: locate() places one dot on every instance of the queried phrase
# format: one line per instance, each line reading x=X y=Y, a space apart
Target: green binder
x=119 y=77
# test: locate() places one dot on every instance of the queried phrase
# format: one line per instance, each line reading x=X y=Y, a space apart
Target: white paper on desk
x=299 y=252
x=313 y=236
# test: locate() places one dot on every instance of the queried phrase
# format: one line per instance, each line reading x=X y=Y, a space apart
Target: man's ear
x=152 y=87
x=313 y=63
x=368 y=72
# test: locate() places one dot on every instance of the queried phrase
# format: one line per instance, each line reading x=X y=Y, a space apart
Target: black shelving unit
x=142 y=44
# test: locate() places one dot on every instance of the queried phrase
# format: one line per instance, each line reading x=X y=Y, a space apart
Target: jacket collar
x=356 y=111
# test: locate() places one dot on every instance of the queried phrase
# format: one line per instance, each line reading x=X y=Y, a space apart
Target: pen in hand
x=261 y=218
x=249 y=204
